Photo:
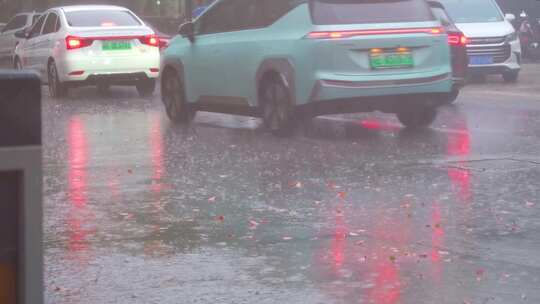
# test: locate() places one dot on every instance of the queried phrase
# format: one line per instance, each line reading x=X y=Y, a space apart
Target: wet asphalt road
x=352 y=209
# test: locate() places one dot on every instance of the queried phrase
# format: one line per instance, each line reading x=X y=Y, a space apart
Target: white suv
x=91 y=45
x=493 y=44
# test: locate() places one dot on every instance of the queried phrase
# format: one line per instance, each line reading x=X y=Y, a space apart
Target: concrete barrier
x=21 y=253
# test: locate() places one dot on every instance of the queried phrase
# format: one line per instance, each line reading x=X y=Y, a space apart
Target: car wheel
x=277 y=109
x=17 y=65
x=511 y=77
x=174 y=98
x=417 y=117
x=146 y=87
x=451 y=97
x=57 y=89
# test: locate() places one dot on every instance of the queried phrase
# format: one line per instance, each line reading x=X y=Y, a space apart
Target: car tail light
x=349 y=33
x=457 y=39
x=151 y=40
x=76 y=73
x=73 y=43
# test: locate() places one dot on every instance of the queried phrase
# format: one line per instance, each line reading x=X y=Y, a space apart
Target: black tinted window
x=36 y=29
x=35 y=18
x=50 y=24
x=272 y=10
x=16 y=23
x=220 y=17
x=99 y=18
x=236 y=15
x=442 y=16
x=369 y=11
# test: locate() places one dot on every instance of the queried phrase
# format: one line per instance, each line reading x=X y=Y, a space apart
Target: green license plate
x=391 y=61
x=116 y=45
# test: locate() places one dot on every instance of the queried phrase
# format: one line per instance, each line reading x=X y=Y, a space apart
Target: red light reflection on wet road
x=156 y=146
x=459 y=144
x=78 y=159
x=78 y=216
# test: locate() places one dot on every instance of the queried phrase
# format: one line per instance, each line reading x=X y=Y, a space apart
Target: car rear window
x=326 y=12
x=99 y=18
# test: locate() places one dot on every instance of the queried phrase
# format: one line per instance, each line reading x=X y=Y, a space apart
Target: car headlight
x=512 y=37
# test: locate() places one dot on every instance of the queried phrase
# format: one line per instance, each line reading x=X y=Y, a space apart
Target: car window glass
x=36 y=29
x=442 y=16
x=216 y=19
x=50 y=24
x=269 y=11
x=465 y=11
x=35 y=18
x=16 y=23
x=101 y=18
x=238 y=15
x=58 y=24
x=325 y=12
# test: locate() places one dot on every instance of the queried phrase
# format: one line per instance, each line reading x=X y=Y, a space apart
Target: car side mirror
x=187 y=30
x=510 y=17
x=22 y=34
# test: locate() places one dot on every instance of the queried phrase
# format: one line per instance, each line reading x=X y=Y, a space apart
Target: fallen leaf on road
x=529 y=204
x=212 y=199
x=342 y=194
x=220 y=218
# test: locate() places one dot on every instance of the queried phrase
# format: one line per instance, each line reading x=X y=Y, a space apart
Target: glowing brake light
x=353 y=33
x=151 y=40
x=457 y=39
x=73 y=43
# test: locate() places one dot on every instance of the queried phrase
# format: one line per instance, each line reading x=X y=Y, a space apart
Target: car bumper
x=332 y=89
x=118 y=70
x=513 y=63
x=110 y=79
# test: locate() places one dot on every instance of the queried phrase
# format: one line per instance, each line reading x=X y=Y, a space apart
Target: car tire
x=417 y=117
x=17 y=65
x=451 y=97
x=173 y=96
x=511 y=77
x=57 y=89
x=278 y=112
x=146 y=87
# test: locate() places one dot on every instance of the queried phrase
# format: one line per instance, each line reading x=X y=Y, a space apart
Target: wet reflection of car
x=393 y=59
x=90 y=45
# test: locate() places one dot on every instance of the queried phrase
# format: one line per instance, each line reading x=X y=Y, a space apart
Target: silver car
x=8 y=41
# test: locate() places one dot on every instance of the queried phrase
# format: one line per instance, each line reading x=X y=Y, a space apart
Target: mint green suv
x=285 y=60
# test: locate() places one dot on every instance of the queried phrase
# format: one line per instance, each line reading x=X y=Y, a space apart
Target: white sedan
x=98 y=45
